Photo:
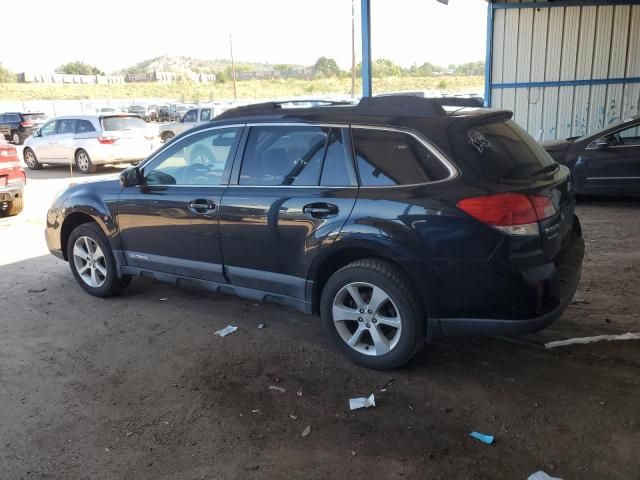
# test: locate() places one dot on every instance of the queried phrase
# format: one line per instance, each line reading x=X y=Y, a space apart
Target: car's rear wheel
x=15 y=138
x=92 y=262
x=84 y=163
x=373 y=313
x=31 y=160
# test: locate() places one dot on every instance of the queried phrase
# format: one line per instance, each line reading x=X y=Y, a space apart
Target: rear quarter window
x=503 y=151
x=388 y=158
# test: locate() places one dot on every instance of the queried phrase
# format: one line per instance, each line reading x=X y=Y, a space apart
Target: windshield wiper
x=553 y=168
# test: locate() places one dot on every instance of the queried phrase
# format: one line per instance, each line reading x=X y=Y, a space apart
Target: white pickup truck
x=191 y=118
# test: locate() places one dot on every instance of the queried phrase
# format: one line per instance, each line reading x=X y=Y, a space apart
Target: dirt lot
x=139 y=387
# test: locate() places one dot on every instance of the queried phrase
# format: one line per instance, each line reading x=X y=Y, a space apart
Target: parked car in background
x=139 y=110
x=191 y=118
x=396 y=221
x=152 y=113
x=164 y=113
x=17 y=126
x=12 y=180
x=606 y=162
x=89 y=141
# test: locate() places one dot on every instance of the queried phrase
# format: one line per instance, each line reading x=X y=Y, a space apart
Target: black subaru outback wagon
x=396 y=220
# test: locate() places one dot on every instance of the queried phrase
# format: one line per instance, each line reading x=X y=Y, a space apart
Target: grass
x=250 y=89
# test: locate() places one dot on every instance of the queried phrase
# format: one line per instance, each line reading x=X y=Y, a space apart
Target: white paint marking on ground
x=597 y=338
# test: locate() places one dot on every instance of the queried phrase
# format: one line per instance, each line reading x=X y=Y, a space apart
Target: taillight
x=513 y=213
x=8 y=152
x=107 y=140
x=27 y=123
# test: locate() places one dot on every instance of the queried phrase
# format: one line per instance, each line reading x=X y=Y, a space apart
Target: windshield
x=114 y=124
x=503 y=151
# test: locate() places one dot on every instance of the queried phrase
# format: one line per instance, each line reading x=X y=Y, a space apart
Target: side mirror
x=131 y=177
x=601 y=143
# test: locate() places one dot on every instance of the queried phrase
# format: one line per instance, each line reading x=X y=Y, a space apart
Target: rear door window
x=505 y=152
x=120 y=123
x=205 y=114
x=388 y=158
x=67 y=125
x=286 y=156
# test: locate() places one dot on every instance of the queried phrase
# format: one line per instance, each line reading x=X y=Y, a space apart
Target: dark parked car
x=18 y=126
x=606 y=162
x=394 y=220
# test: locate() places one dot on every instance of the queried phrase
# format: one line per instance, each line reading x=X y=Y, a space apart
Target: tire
x=100 y=277
x=398 y=321
x=31 y=160
x=15 y=138
x=166 y=136
x=84 y=163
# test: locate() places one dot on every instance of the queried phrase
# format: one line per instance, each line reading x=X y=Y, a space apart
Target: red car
x=12 y=180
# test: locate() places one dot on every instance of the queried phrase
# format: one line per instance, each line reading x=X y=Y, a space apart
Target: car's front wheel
x=92 y=262
x=372 y=311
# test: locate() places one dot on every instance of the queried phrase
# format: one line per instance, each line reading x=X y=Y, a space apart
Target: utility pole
x=353 y=49
x=233 y=69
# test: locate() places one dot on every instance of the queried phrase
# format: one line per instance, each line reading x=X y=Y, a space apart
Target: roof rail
x=390 y=106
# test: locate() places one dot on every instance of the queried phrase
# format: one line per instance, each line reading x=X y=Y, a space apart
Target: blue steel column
x=365 y=13
x=489 y=56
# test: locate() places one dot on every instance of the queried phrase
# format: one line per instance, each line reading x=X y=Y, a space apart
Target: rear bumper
x=11 y=192
x=561 y=283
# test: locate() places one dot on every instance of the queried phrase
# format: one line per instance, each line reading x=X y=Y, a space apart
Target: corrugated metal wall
x=566 y=43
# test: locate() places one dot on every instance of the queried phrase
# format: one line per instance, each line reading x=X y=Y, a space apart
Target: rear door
x=293 y=190
x=62 y=147
x=170 y=222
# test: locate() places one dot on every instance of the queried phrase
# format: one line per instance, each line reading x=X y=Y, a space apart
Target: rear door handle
x=320 y=210
x=202 y=205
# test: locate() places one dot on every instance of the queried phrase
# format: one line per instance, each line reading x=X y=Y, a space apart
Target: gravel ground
x=137 y=386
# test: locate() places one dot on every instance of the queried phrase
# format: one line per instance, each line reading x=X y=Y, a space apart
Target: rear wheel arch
x=323 y=269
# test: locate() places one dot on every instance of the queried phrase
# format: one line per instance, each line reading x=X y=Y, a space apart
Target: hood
x=558 y=145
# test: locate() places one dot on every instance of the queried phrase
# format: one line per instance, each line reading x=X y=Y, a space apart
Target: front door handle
x=320 y=210
x=202 y=205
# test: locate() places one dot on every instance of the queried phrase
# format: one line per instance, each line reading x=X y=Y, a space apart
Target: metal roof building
x=564 y=67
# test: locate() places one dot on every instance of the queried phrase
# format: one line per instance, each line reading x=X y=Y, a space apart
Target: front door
x=170 y=222
x=613 y=166
x=42 y=143
x=291 y=195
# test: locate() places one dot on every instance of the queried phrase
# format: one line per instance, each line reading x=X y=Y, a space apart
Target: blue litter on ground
x=482 y=437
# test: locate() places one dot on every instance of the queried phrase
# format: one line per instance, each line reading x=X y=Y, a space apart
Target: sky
x=119 y=33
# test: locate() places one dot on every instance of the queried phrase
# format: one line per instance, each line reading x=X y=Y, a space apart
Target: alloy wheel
x=366 y=318
x=30 y=159
x=90 y=262
x=83 y=161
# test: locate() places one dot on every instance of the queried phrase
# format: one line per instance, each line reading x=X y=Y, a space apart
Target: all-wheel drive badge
x=478 y=140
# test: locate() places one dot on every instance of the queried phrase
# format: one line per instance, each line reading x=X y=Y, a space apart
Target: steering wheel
x=195 y=174
x=201 y=155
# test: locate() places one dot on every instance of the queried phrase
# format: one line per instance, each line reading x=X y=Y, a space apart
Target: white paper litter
x=597 y=338
x=306 y=431
x=226 y=331
x=279 y=389
x=362 y=402
x=540 y=475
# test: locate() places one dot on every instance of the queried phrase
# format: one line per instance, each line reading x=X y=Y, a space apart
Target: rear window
x=503 y=151
x=115 y=124
x=34 y=117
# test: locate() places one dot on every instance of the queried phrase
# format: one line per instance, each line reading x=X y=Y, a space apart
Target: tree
x=78 y=68
x=326 y=67
x=6 y=76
